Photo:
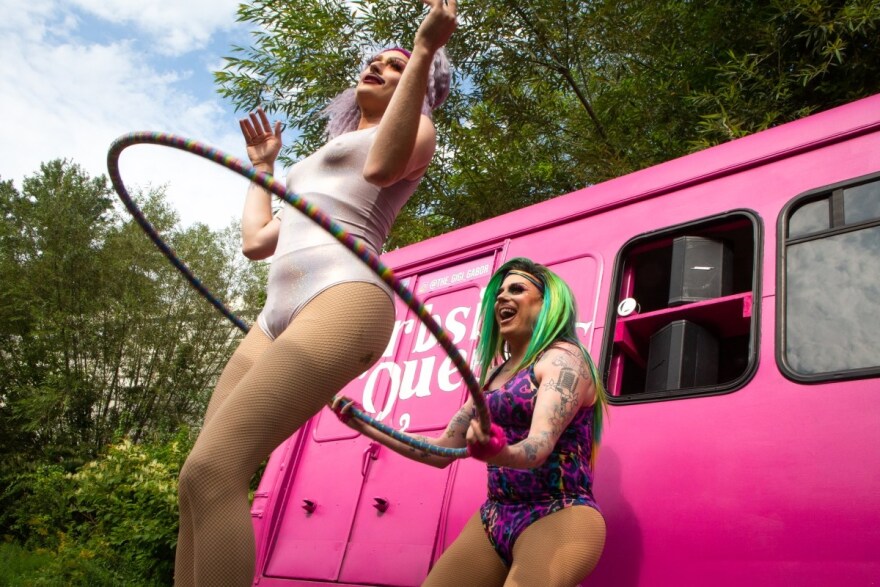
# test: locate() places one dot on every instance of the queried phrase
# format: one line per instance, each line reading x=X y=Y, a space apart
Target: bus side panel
x=774 y=483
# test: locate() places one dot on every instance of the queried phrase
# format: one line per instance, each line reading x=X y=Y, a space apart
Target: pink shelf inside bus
x=727 y=316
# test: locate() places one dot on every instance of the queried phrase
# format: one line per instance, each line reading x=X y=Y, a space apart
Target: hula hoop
x=354 y=244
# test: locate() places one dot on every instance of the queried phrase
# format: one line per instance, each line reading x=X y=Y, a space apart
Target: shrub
x=114 y=521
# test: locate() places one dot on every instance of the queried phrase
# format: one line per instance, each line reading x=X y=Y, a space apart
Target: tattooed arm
x=452 y=437
x=564 y=387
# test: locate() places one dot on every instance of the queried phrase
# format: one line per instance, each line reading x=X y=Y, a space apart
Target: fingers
x=260 y=122
x=265 y=120
x=475 y=434
x=340 y=402
x=247 y=130
x=257 y=126
x=438 y=25
x=450 y=5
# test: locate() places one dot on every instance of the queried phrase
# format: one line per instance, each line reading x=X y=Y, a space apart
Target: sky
x=76 y=74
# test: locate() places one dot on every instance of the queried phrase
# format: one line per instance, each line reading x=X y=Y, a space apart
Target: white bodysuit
x=307 y=258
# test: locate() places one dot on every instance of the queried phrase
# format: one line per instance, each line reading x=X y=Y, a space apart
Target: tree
x=554 y=95
x=801 y=56
x=107 y=360
x=54 y=227
x=100 y=335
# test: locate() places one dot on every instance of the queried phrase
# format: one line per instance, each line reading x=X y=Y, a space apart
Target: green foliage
x=99 y=334
x=114 y=521
x=554 y=95
x=101 y=339
x=799 y=56
x=17 y=564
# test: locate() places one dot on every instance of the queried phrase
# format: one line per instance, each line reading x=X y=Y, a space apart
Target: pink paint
x=772 y=482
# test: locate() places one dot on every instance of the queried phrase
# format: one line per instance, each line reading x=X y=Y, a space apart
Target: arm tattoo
x=532 y=446
x=567 y=380
x=572 y=360
x=459 y=422
x=420 y=453
x=566 y=386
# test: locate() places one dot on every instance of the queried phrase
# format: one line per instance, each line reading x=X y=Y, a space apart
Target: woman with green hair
x=540 y=525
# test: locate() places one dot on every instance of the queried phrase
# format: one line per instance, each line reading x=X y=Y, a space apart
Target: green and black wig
x=556 y=322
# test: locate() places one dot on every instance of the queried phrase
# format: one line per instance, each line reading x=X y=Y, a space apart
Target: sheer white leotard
x=307 y=259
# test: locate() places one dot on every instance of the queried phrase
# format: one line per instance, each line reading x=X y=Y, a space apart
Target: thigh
x=470 y=560
x=559 y=550
x=246 y=354
x=334 y=338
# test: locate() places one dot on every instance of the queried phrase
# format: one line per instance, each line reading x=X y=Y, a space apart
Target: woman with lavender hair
x=327 y=317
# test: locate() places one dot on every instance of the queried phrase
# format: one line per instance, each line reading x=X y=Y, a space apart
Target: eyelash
x=396 y=64
x=513 y=289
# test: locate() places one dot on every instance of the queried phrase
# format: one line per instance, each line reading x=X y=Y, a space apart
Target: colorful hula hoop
x=351 y=242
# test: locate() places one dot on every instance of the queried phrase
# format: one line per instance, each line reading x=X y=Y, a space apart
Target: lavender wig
x=343 y=113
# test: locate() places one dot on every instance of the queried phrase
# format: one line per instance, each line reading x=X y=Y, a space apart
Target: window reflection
x=861 y=203
x=832 y=293
x=809 y=218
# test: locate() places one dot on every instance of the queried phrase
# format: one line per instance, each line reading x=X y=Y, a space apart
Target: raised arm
x=259 y=230
x=452 y=437
x=564 y=387
x=406 y=139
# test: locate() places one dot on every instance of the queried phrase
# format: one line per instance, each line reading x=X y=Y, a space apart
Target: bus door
x=396 y=522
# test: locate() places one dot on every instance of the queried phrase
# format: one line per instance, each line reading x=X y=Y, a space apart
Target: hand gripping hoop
x=351 y=242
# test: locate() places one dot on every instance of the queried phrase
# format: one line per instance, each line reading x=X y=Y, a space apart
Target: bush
x=114 y=521
x=38 y=507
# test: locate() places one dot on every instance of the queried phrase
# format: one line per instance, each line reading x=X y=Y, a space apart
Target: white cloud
x=176 y=27
x=64 y=97
x=28 y=18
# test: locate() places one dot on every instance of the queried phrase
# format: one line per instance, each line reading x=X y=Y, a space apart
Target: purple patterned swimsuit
x=519 y=497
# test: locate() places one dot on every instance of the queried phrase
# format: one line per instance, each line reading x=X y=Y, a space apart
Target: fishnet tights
x=559 y=550
x=266 y=392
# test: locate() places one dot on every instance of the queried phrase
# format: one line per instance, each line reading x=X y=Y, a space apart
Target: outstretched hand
x=342 y=407
x=263 y=142
x=439 y=24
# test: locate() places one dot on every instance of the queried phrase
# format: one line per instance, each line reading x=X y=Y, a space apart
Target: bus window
x=829 y=324
x=682 y=321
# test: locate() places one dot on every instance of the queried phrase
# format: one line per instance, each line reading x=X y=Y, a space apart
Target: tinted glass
x=809 y=218
x=861 y=203
x=833 y=303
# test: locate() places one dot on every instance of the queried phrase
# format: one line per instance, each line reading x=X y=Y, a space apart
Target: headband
x=535 y=280
x=400 y=49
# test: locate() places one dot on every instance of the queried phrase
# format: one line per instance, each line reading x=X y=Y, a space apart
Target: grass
x=18 y=566
x=22 y=568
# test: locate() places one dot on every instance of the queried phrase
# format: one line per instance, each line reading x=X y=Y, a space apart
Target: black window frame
x=838 y=226
x=754 y=325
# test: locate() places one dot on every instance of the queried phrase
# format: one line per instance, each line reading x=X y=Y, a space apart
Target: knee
x=202 y=479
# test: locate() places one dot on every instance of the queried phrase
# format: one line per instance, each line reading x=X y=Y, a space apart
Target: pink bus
x=726 y=297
